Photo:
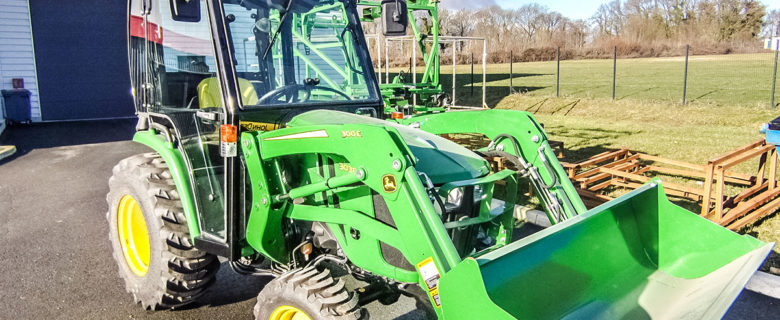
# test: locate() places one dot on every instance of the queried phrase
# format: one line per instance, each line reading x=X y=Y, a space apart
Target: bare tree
x=640 y=27
x=771 y=25
x=526 y=18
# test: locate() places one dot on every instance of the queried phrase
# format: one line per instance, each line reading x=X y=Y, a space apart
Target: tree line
x=637 y=28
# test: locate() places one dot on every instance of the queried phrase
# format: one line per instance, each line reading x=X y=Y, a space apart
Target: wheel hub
x=288 y=313
x=133 y=235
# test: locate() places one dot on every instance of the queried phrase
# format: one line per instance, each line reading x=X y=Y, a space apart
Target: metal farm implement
x=757 y=195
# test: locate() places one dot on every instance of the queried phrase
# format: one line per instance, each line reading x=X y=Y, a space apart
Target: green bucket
x=636 y=257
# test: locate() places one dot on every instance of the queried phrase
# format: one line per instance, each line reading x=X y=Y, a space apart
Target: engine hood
x=441 y=159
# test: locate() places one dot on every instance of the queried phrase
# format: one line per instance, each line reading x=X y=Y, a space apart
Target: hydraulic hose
x=516 y=145
x=550 y=199
x=549 y=168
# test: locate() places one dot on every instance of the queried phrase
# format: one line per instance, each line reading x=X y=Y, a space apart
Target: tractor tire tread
x=182 y=273
x=314 y=291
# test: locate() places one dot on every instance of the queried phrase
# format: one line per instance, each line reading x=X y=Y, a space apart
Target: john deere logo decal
x=388 y=183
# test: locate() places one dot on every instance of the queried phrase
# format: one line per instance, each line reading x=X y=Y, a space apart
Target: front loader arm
x=501 y=126
x=379 y=155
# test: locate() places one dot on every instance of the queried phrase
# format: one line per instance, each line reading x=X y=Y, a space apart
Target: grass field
x=690 y=133
x=722 y=80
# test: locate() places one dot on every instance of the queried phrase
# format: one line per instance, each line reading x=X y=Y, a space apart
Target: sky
x=574 y=9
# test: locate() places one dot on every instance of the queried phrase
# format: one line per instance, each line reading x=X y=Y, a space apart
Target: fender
x=178 y=168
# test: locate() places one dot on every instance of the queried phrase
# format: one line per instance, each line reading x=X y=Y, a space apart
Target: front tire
x=306 y=294
x=148 y=233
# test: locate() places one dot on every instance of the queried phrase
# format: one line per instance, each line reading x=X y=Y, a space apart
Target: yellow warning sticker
x=429 y=273
x=435 y=297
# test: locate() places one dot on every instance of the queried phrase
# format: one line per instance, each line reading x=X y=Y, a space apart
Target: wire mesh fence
x=693 y=78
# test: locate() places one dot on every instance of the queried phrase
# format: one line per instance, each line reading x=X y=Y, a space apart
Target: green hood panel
x=442 y=160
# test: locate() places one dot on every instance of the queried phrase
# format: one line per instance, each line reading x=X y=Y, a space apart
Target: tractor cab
x=196 y=65
x=276 y=54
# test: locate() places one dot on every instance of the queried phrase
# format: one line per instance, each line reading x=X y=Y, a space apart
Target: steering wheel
x=292 y=91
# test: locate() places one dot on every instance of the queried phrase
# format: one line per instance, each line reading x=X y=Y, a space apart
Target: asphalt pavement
x=55 y=256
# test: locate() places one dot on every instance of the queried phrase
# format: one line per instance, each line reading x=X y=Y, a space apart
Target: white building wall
x=17 y=55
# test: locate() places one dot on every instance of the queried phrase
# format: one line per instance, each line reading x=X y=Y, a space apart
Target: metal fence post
x=511 y=71
x=685 y=76
x=614 y=72
x=558 y=73
x=454 y=71
x=484 y=74
x=413 y=69
x=774 y=74
x=472 y=73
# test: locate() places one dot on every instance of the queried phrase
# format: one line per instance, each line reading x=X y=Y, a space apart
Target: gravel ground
x=55 y=257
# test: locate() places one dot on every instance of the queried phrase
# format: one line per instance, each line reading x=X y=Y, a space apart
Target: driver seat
x=209 y=94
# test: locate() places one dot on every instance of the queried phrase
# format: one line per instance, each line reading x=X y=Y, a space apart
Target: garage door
x=81 y=57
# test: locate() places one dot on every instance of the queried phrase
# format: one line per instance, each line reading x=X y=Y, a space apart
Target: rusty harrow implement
x=597 y=177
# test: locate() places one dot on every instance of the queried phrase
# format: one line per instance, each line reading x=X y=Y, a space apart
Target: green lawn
x=722 y=80
x=693 y=133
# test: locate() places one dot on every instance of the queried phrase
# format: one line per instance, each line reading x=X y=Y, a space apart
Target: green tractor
x=270 y=148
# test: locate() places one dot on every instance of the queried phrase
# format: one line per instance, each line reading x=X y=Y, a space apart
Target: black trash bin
x=17 y=105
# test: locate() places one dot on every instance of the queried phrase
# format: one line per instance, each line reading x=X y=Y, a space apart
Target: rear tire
x=172 y=272
x=315 y=293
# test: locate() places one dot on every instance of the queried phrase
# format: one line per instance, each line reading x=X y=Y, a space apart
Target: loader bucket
x=636 y=257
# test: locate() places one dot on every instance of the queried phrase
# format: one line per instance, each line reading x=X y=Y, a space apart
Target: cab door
x=174 y=75
x=138 y=12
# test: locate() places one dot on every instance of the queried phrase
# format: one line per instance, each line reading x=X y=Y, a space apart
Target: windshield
x=312 y=56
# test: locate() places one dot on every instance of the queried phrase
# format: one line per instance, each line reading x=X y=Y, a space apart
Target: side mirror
x=395 y=18
x=185 y=10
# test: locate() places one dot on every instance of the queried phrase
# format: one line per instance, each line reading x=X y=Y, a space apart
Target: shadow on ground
x=230 y=288
x=57 y=134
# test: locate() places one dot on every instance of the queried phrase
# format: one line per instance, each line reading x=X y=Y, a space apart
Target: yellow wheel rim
x=288 y=313
x=133 y=235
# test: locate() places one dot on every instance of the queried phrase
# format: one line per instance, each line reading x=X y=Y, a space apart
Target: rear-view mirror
x=395 y=18
x=185 y=10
